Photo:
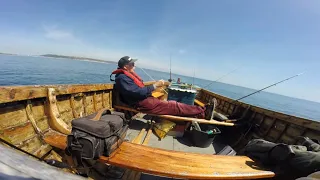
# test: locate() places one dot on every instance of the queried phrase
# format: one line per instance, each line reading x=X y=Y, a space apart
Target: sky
x=267 y=41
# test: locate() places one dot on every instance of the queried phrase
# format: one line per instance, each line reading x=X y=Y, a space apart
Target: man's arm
x=128 y=86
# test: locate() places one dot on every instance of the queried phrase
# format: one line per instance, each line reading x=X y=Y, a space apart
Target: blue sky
x=269 y=40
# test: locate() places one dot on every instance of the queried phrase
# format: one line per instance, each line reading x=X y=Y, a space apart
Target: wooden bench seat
x=176 y=164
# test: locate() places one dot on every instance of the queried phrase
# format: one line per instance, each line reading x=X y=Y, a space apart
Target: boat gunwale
x=11 y=93
x=19 y=93
x=309 y=123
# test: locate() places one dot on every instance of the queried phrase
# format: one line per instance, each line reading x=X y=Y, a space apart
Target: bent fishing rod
x=221 y=77
x=152 y=78
x=269 y=86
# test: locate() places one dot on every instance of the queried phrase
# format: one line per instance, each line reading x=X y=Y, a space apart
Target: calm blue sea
x=20 y=70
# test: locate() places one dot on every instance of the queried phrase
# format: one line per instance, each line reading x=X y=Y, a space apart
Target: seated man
x=133 y=92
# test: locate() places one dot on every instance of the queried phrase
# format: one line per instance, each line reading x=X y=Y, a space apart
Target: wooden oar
x=137 y=140
x=145 y=142
x=147 y=138
x=179 y=118
x=131 y=174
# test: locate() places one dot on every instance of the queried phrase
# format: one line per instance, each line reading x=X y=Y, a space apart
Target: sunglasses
x=131 y=64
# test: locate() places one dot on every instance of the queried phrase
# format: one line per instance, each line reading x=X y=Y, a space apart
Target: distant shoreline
x=77 y=58
x=64 y=57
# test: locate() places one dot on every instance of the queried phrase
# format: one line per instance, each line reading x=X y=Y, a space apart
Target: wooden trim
x=253 y=116
x=73 y=108
x=178 y=118
x=31 y=118
x=95 y=101
x=311 y=124
x=282 y=132
x=19 y=93
x=262 y=119
x=102 y=97
x=274 y=121
x=84 y=103
x=110 y=99
x=147 y=137
x=176 y=164
x=55 y=120
x=138 y=138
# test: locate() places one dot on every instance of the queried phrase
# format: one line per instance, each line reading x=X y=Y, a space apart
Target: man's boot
x=210 y=107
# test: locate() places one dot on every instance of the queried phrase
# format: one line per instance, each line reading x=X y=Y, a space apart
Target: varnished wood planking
x=271 y=123
x=295 y=130
x=283 y=128
x=291 y=119
x=42 y=123
x=89 y=103
x=65 y=110
x=267 y=125
x=102 y=99
x=106 y=97
x=73 y=108
x=79 y=106
x=31 y=145
x=185 y=165
x=98 y=99
x=110 y=98
x=94 y=96
x=12 y=116
x=44 y=149
x=31 y=118
x=258 y=118
x=54 y=155
x=39 y=114
x=280 y=125
x=84 y=103
x=55 y=120
x=177 y=164
x=18 y=93
x=18 y=134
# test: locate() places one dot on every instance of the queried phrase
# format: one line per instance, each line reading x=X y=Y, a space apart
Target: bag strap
x=99 y=114
x=108 y=111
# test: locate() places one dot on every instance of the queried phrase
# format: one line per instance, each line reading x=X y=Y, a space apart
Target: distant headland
x=77 y=58
x=63 y=56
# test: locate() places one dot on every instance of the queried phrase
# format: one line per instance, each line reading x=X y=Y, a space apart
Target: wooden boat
x=36 y=119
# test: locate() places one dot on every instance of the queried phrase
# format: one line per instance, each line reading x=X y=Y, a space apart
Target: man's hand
x=159 y=83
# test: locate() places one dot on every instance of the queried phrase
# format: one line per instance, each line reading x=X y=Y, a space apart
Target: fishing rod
x=170 y=80
x=152 y=78
x=269 y=86
x=221 y=77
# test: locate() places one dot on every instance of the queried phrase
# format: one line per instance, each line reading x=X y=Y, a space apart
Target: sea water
x=24 y=70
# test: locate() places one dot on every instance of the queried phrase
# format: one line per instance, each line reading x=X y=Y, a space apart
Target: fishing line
x=152 y=78
x=221 y=77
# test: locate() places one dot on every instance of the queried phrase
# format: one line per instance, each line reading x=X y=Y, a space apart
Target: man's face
x=130 y=67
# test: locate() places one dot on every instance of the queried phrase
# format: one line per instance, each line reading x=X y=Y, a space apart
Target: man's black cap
x=125 y=60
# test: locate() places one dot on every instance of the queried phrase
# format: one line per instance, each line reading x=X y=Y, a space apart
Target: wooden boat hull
x=27 y=113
